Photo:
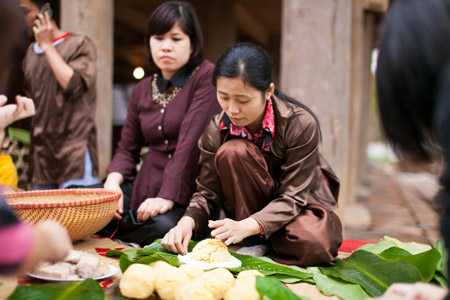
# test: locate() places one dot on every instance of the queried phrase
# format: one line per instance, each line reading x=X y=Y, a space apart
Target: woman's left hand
x=152 y=207
x=233 y=231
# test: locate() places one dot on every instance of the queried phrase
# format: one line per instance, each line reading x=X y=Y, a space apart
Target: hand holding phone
x=45 y=9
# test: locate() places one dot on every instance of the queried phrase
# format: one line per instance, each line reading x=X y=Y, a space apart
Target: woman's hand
x=416 y=291
x=177 y=239
x=43 y=31
x=152 y=207
x=233 y=231
x=23 y=108
x=51 y=243
x=112 y=183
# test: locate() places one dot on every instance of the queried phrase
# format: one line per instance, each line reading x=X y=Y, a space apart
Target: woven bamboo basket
x=82 y=211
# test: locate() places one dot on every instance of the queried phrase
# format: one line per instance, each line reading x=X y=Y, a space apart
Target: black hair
x=163 y=19
x=414 y=54
x=254 y=66
x=54 y=5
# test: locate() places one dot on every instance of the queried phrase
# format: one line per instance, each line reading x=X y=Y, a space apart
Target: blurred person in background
x=169 y=111
x=22 y=246
x=60 y=76
x=413 y=86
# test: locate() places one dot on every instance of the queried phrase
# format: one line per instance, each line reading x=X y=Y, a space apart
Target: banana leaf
x=272 y=289
x=373 y=273
x=441 y=277
x=442 y=264
x=125 y=261
x=425 y=262
x=155 y=251
x=440 y=280
x=345 y=290
x=87 y=289
x=270 y=268
x=387 y=242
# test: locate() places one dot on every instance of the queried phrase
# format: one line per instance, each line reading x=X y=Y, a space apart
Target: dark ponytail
x=254 y=66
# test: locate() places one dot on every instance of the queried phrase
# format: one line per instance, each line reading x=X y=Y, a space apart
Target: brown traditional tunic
x=64 y=124
x=170 y=167
x=284 y=189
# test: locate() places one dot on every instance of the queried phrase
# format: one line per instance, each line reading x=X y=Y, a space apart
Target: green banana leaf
x=272 y=289
x=271 y=269
x=440 y=280
x=373 y=273
x=441 y=275
x=387 y=242
x=442 y=264
x=425 y=262
x=345 y=290
x=155 y=251
x=87 y=289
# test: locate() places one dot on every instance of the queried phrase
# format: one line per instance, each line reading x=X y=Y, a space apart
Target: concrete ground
x=396 y=204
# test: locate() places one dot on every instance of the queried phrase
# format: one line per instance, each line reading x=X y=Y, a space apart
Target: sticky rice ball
x=191 y=271
x=242 y=291
x=194 y=290
x=169 y=281
x=159 y=266
x=217 y=281
x=211 y=251
x=138 y=281
x=249 y=274
x=244 y=287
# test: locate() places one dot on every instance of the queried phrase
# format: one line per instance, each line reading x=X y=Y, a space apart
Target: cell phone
x=45 y=9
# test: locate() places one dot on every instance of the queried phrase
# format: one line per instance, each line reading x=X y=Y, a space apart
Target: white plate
x=232 y=264
x=112 y=271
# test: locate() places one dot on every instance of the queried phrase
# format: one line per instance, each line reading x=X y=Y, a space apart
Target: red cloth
x=349 y=246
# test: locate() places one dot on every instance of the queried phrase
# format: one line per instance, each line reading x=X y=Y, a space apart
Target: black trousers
x=142 y=233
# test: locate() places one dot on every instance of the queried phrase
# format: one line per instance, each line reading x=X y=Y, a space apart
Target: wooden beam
x=95 y=19
x=378 y=6
x=252 y=27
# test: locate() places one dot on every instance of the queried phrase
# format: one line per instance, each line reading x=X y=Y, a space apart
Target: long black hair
x=414 y=58
x=254 y=66
x=162 y=20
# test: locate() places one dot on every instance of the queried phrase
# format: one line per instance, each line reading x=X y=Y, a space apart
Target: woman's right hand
x=177 y=239
x=112 y=183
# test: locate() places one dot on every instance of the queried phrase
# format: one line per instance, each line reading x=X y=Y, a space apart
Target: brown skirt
x=311 y=238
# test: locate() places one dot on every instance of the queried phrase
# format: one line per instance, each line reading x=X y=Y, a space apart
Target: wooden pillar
x=218 y=22
x=357 y=98
x=94 y=18
x=316 y=69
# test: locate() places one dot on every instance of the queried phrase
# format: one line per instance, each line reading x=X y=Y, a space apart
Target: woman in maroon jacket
x=169 y=111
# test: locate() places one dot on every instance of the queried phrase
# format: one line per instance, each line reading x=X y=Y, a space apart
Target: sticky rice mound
x=211 y=251
x=210 y=254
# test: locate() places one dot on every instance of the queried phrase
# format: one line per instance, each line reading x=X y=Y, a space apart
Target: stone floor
x=394 y=203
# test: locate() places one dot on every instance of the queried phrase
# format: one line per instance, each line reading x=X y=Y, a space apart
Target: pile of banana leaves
x=366 y=273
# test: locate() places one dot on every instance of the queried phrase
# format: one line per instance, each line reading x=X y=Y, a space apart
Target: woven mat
x=100 y=246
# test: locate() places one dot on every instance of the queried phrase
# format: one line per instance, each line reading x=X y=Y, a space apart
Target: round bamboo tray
x=82 y=211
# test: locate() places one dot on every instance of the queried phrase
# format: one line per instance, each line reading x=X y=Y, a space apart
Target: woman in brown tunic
x=260 y=163
x=169 y=111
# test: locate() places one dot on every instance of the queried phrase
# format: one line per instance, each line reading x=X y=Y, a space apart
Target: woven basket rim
x=108 y=195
